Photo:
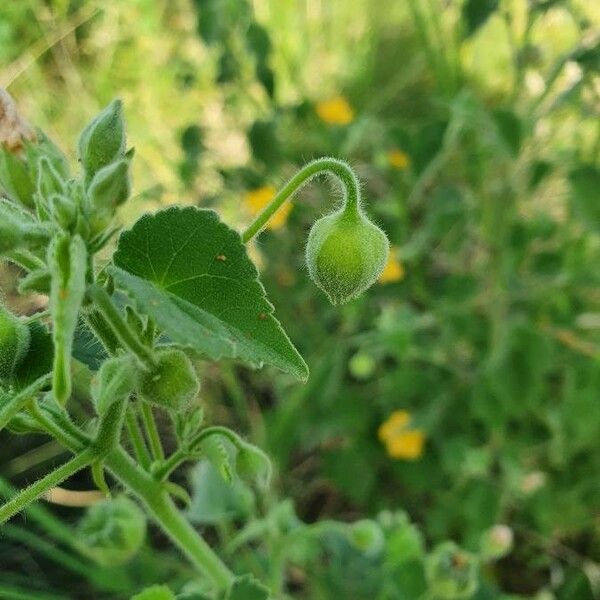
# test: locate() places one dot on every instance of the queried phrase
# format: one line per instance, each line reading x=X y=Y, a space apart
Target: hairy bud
x=173 y=383
x=345 y=254
x=112 y=531
x=114 y=381
x=103 y=140
x=14 y=342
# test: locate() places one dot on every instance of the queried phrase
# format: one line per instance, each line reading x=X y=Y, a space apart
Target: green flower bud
x=253 y=464
x=173 y=383
x=49 y=180
x=451 y=572
x=112 y=531
x=14 y=342
x=496 y=542
x=367 y=536
x=345 y=254
x=110 y=187
x=103 y=140
x=63 y=211
x=362 y=365
x=115 y=380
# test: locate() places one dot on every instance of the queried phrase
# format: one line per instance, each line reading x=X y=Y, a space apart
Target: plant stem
x=187 y=453
x=137 y=440
x=126 y=336
x=168 y=517
x=54 y=478
x=335 y=167
x=158 y=503
x=152 y=432
x=19 y=401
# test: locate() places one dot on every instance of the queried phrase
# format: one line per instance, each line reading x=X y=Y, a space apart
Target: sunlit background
x=462 y=392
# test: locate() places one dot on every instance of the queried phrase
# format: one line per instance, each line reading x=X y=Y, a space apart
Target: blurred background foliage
x=463 y=388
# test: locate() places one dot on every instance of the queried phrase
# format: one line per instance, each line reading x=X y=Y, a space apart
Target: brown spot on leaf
x=262 y=316
x=221 y=257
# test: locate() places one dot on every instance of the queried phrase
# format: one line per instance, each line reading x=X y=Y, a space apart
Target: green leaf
x=585 y=195
x=264 y=142
x=510 y=129
x=476 y=12
x=248 y=588
x=67 y=258
x=190 y=273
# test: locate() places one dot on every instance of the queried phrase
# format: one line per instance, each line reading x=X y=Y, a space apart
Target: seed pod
x=103 y=140
x=173 y=383
x=345 y=254
x=14 y=342
x=112 y=531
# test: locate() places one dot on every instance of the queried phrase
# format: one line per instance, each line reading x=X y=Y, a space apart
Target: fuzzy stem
x=152 y=432
x=339 y=169
x=158 y=503
x=182 y=454
x=126 y=336
x=137 y=440
x=19 y=401
x=54 y=478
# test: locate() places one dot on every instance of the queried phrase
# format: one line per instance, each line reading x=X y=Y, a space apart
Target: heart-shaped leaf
x=190 y=273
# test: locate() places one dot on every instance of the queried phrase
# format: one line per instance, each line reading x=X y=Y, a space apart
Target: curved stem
x=19 y=401
x=182 y=454
x=158 y=503
x=339 y=169
x=54 y=478
x=126 y=336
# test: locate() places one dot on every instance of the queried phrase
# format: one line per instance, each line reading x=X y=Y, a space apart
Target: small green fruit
x=345 y=254
x=173 y=383
x=14 y=342
x=112 y=531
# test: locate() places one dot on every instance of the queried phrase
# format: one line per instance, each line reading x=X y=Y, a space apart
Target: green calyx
x=112 y=531
x=173 y=383
x=115 y=380
x=345 y=253
x=14 y=343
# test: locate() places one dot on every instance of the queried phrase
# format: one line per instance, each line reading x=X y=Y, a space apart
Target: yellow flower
x=398 y=159
x=257 y=199
x=393 y=270
x=399 y=439
x=335 y=111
